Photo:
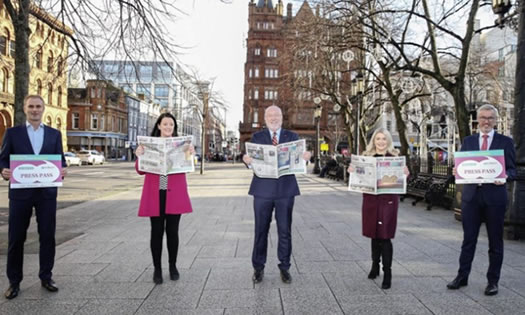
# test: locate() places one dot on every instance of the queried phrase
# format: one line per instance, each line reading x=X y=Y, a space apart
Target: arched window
x=60 y=65
x=59 y=123
x=39 y=87
x=48 y=121
x=38 y=58
x=4 y=80
x=59 y=101
x=4 y=42
x=49 y=94
x=50 y=62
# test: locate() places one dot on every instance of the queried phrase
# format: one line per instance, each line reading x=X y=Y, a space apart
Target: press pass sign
x=34 y=171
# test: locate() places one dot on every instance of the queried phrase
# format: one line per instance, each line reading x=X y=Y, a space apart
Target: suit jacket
x=269 y=188
x=493 y=194
x=16 y=141
x=177 y=198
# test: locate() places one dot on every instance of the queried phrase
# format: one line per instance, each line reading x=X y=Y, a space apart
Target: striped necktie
x=274 y=138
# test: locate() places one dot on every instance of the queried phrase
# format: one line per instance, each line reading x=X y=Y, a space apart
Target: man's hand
x=406 y=171
x=454 y=171
x=247 y=159
x=140 y=150
x=64 y=173
x=350 y=169
x=191 y=149
x=6 y=173
x=307 y=155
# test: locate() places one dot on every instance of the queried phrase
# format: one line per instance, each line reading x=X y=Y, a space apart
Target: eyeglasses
x=486 y=118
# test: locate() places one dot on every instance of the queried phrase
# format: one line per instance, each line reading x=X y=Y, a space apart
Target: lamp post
x=317 y=117
x=515 y=216
x=357 y=91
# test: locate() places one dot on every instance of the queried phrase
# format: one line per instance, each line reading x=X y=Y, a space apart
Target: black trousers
x=20 y=212
x=170 y=224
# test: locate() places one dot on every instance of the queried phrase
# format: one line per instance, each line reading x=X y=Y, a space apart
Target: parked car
x=91 y=157
x=72 y=159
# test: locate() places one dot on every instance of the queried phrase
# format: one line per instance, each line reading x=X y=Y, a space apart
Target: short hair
x=488 y=107
x=30 y=96
x=273 y=106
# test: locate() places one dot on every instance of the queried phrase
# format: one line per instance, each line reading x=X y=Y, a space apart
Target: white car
x=72 y=159
x=91 y=157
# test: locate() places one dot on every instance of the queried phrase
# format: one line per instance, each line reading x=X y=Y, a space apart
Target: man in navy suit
x=485 y=203
x=270 y=194
x=31 y=138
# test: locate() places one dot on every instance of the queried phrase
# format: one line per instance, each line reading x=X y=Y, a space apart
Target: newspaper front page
x=166 y=155
x=275 y=161
x=378 y=175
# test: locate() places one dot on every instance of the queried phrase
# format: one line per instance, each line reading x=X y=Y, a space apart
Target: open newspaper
x=271 y=161
x=378 y=175
x=166 y=155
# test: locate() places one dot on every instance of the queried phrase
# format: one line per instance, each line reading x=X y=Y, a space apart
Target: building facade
x=98 y=119
x=48 y=51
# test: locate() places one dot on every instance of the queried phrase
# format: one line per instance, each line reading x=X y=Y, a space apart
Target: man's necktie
x=485 y=143
x=274 y=138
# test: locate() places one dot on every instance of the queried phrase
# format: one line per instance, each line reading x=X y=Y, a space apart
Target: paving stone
x=383 y=305
x=110 y=307
x=451 y=304
x=306 y=300
x=25 y=306
x=254 y=311
x=247 y=298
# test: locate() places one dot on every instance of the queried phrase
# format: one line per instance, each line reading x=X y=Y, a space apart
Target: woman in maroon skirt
x=379 y=212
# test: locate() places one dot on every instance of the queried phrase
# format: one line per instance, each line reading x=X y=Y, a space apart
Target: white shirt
x=36 y=137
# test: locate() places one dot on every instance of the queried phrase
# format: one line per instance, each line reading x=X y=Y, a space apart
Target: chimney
x=289 y=10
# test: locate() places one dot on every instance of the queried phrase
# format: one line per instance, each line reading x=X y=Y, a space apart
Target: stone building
x=48 y=50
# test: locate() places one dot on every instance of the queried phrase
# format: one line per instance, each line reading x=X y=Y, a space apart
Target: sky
x=215 y=35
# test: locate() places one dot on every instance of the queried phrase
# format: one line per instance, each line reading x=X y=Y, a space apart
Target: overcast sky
x=215 y=34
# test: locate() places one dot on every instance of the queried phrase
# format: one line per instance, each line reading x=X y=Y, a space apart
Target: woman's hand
x=307 y=155
x=247 y=159
x=140 y=150
x=406 y=171
x=350 y=169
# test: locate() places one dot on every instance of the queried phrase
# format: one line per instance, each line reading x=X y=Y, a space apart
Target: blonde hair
x=371 y=148
x=30 y=96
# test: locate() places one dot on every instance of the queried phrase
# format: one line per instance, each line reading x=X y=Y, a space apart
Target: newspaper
x=271 y=161
x=166 y=155
x=378 y=175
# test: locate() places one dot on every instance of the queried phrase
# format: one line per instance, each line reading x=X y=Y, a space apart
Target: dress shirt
x=489 y=139
x=36 y=137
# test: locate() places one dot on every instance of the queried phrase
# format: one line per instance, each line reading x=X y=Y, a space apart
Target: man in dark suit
x=31 y=138
x=270 y=194
x=485 y=203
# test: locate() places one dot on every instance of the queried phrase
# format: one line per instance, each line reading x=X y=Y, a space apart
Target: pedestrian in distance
x=164 y=199
x=485 y=202
x=269 y=194
x=379 y=212
x=33 y=137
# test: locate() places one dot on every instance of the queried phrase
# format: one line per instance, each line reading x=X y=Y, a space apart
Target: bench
x=435 y=189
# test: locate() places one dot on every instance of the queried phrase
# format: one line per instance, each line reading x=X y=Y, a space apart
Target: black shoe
x=12 y=291
x=491 y=289
x=387 y=280
x=157 y=276
x=49 y=285
x=258 y=276
x=374 y=272
x=285 y=276
x=174 y=273
x=457 y=283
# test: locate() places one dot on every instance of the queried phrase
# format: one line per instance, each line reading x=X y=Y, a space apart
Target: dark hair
x=156 y=132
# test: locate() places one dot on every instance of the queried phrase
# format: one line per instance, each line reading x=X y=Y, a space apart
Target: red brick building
x=98 y=119
x=270 y=76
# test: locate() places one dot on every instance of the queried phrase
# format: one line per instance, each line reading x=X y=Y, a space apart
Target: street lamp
x=358 y=84
x=515 y=217
x=317 y=117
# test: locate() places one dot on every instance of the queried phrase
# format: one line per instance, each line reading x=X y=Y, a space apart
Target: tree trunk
x=462 y=115
x=22 y=69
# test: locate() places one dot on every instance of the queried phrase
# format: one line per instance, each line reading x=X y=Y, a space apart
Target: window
x=50 y=62
x=256 y=74
x=94 y=121
x=93 y=92
x=270 y=94
x=38 y=59
x=50 y=94
x=161 y=90
x=102 y=121
x=501 y=72
x=4 y=84
x=501 y=55
x=141 y=89
x=59 y=123
x=4 y=42
x=250 y=73
x=39 y=87
x=271 y=52
x=255 y=116
x=49 y=121
x=257 y=51
x=164 y=73
x=75 y=118
x=389 y=125
x=250 y=94
x=12 y=48
x=256 y=94
x=146 y=73
x=271 y=73
x=60 y=66
x=59 y=100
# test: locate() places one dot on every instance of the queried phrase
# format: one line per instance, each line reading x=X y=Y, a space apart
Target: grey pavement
x=103 y=263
